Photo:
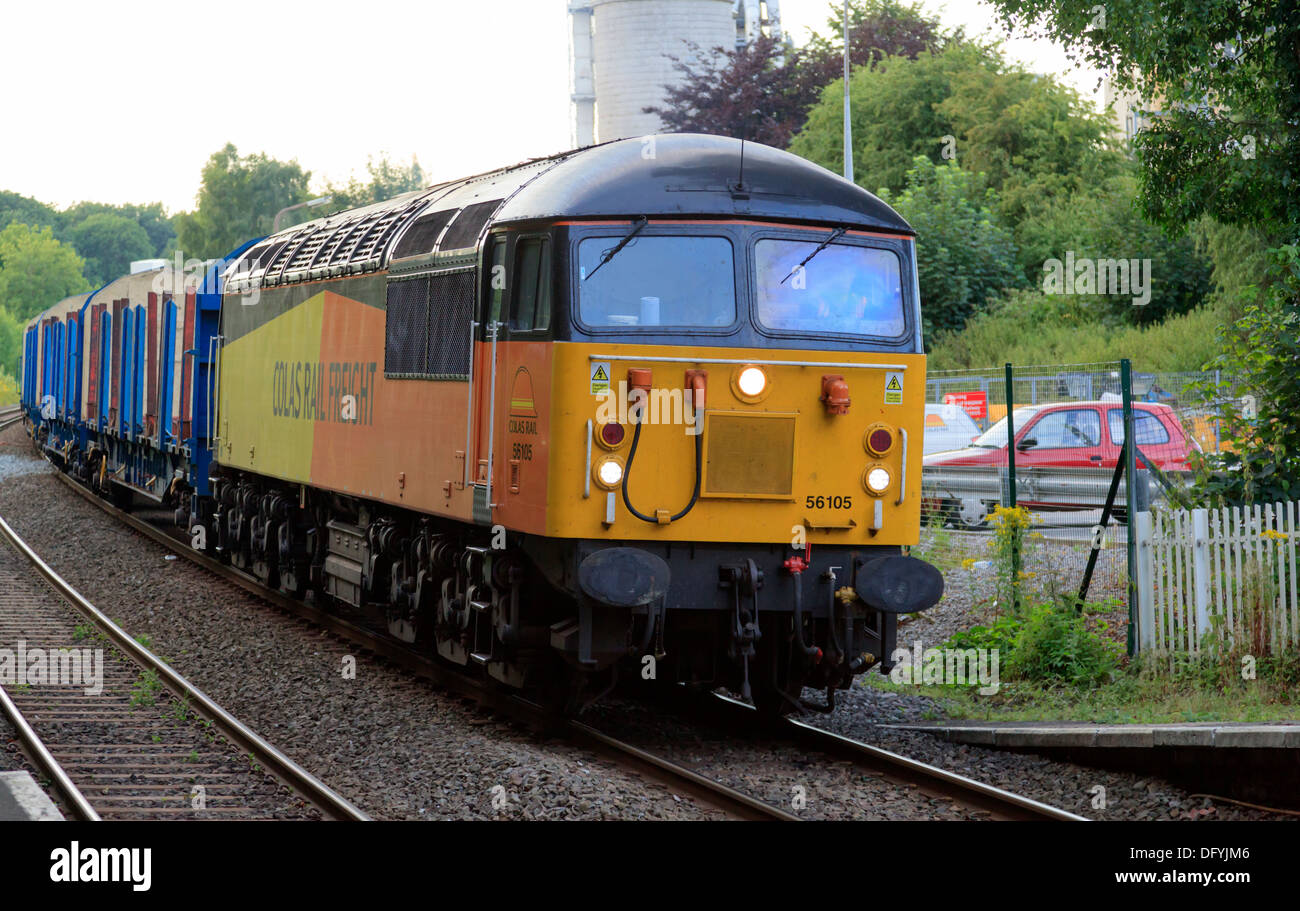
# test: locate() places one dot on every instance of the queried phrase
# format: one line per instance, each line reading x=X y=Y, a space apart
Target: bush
x=1064 y=331
x=1055 y=646
x=964 y=254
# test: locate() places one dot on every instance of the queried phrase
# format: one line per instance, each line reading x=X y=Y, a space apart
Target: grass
x=1130 y=697
x=145 y=689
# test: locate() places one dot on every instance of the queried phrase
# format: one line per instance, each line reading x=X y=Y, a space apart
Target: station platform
x=21 y=798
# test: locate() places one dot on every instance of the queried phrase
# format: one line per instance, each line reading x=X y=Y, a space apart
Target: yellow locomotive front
x=737 y=410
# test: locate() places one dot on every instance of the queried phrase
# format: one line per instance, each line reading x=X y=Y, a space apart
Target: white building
x=620 y=54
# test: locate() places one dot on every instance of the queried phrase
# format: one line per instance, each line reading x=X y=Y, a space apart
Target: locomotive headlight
x=751 y=381
x=877 y=480
x=609 y=473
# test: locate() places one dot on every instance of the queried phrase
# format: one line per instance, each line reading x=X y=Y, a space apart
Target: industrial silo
x=621 y=52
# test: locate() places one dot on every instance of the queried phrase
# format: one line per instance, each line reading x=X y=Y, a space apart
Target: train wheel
x=971 y=514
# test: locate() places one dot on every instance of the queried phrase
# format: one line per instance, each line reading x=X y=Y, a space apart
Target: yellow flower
x=968 y=563
x=1272 y=535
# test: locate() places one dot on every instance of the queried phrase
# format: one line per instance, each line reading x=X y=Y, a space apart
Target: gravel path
x=391 y=744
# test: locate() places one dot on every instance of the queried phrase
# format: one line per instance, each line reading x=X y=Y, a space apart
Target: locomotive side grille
x=465 y=229
x=451 y=302
x=426 y=327
x=423 y=232
x=406 y=328
x=749 y=455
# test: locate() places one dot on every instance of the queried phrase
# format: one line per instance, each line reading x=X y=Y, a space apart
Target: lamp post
x=310 y=204
x=848 y=126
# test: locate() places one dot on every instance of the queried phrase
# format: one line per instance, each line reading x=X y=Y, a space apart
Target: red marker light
x=881 y=440
x=612 y=434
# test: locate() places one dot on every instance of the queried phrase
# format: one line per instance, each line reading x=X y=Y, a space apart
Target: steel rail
x=289 y=772
x=45 y=761
x=729 y=800
x=999 y=802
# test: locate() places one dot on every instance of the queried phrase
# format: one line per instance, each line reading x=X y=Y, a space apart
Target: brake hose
x=627 y=475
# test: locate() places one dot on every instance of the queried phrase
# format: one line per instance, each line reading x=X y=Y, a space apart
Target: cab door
x=485 y=378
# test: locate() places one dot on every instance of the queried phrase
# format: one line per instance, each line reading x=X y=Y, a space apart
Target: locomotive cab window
x=841 y=289
x=497 y=279
x=530 y=308
x=656 y=280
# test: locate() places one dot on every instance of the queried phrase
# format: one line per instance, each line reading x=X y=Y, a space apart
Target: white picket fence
x=1237 y=564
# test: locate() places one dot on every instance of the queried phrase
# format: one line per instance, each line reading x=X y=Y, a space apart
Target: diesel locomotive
x=652 y=408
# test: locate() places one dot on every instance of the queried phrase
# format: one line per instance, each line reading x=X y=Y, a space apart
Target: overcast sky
x=123 y=102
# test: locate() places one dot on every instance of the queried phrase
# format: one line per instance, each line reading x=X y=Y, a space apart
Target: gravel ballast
x=393 y=745
x=400 y=749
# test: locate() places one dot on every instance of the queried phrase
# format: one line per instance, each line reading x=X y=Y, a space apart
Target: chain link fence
x=1060 y=458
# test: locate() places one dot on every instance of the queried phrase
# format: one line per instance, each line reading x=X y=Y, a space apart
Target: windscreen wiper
x=835 y=235
x=613 y=251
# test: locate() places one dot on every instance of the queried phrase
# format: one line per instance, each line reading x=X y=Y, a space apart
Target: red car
x=1066 y=435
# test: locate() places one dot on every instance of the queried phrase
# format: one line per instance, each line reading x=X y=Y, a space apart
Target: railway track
x=106 y=747
x=10 y=417
x=930 y=780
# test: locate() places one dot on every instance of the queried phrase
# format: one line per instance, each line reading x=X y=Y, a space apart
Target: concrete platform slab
x=21 y=798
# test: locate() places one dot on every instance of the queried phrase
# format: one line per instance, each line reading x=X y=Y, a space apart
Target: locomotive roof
x=668 y=175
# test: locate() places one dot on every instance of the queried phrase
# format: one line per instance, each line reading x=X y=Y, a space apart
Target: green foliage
x=145 y=689
x=238 y=201
x=1029 y=136
x=386 y=181
x=1001 y=634
x=964 y=254
x=1011 y=525
x=1260 y=352
x=11 y=343
x=1066 y=331
x=763 y=90
x=9 y=388
x=1055 y=645
x=25 y=210
x=109 y=243
x=151 y=218
x=36 y=270
x=1225 y=79
x=1101 y=221
x=1240 y=261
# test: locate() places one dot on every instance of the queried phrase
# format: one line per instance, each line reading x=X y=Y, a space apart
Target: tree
x=11 y=346
x=36 y=270
x=1101 y=222
x=386 y=181
x=109 y=243
x=1223 y=81
x=964 y=254
x=1030 y=137
x=238 y=200
x=763 y=91
x=151 y=217
x=24 y=209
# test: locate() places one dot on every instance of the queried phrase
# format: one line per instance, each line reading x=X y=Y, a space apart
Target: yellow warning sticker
x=893 y=388
x=600 y=378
